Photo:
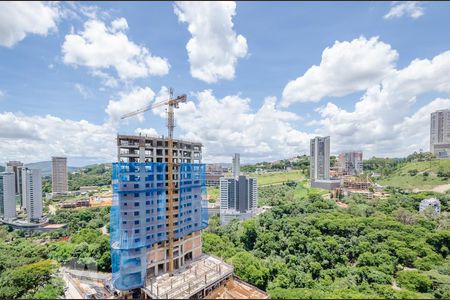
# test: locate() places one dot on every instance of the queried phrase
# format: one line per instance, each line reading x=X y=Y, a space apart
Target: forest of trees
x=307 y=247
x=29 y=262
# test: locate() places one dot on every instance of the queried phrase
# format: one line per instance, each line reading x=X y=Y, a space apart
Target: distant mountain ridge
x=46 y=167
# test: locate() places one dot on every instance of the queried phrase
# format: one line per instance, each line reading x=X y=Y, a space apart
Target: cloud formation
x=20 y=18
x=129 y=102
x=101 y=47
x=399 y=9
x=346 y=67
x=37 y=138
x=214 y=47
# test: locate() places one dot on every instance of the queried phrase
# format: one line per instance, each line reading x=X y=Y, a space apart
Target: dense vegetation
x=29 y=262
x=308 y=247
x=98 y=175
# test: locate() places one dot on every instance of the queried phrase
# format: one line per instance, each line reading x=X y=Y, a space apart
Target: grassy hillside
x=278 y=177
x=419 y=175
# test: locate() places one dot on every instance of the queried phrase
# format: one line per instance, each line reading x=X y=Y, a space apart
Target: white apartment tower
x=59 y=175
x=320 y=158
x=16 y=168
x=7 y=196
x=440 y=133
x=32 y=193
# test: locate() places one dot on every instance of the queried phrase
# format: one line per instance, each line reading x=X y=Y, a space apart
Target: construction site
x=159 y=207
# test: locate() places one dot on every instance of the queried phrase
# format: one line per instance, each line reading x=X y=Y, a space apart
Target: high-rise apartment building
x=236 y=165
x=440 y=133
x=350 y=163
x=139 y=214
x=32 y=193
x=16 y=168
x=320 y=158
x=238 y=195
x=59 y=175
x=7 y=196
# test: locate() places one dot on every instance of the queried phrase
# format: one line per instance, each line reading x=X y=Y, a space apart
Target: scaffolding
x=139 y=219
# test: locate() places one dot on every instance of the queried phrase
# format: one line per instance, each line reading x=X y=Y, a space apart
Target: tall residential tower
x=238 y=195
x=16 y=168
x=32 y=193
x=59 y=175
x=440 y=133
x=320 y=158
x=7 y=196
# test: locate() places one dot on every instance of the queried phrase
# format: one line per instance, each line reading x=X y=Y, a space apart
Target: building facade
x=213 y=174
x=320 y=158
x=16 y=168
x=7 y=196
x=351 y=163
x=139 y=220
x=59 y=175
x=32 y=193
x=440 y=133
x=237 y=194
x=236 y=166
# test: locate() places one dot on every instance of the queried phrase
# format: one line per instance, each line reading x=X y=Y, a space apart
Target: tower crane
x=171 y=103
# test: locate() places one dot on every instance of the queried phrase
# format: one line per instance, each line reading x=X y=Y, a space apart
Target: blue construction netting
x=138 y=214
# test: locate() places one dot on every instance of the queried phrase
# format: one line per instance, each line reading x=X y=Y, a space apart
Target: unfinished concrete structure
x=440 y=133
x=59 y=175
x=142 y=148
x=139 y=213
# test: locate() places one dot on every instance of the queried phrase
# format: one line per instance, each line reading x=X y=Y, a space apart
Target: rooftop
x=198 y=275
x=237 y=289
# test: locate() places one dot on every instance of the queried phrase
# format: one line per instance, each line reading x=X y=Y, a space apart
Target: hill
x=46 y=167
x=424 y=175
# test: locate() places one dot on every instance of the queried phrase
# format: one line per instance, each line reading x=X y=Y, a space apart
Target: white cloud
x=265 y=134
x=2 y=94
x=83 y=90
x=146 y=131
x=346 y=67
x=405 y=8
x=37 y=138
x=381 y=122
x=101 y=47
x=214 y=47
x=129 y=102
x=19 y=18
x=107 y=80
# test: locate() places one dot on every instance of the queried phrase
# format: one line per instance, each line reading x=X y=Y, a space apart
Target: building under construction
x=158 y=210
x=139 y=213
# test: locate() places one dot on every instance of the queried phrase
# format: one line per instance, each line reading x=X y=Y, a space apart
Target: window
x=136 y=213
x=136 y=195
x=125 y=213
x=136 y=185
x=137 y=240
x=136 y=203
x=147 y=211
x=136 y=231
x=124 y=185
x=124 y=222
x=136 y=222
x=147 y=185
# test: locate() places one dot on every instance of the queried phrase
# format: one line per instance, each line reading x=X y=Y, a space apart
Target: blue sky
x=52 y=103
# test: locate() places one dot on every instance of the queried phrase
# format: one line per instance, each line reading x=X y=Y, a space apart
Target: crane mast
x=171 y=166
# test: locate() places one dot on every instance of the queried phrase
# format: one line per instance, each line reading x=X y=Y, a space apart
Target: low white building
x=433 y=202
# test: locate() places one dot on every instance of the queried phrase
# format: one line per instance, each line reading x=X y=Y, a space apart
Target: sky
x=262 y=78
